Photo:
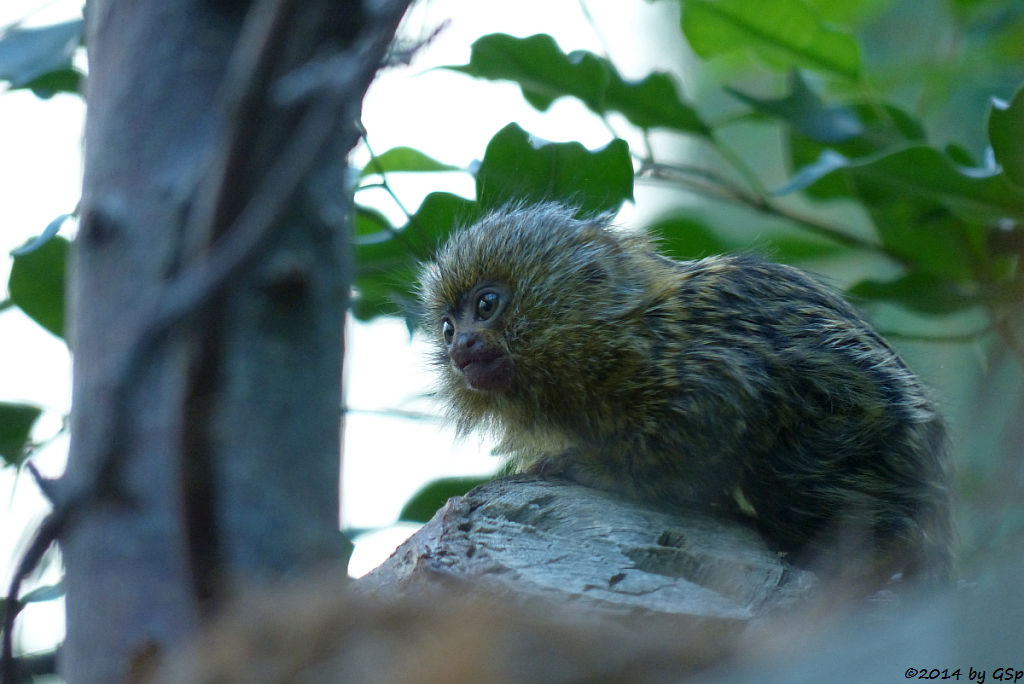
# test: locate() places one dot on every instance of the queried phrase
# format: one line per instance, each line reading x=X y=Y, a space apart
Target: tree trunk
x=210 y=282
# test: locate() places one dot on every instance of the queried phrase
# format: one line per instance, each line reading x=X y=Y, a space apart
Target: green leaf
x=438 y=215
x=519 y=167
x=379 y=247
x=60 y=81
x=784 y=32
x=371 y=226
x=689 y=237
x=16 y=421
x=425 y=503
x=36 y=283
x=1006 y=133
x=385 y=271
x=388 y=259
x=846 y=11
x=805 y=111
x=925 y=235
x=929 y=212
x=28 y=54
x=404 y=159
x=544 y=73
x=960 y=155
x=925 y=172
x=813 y=173
x=920 y=292
x=884 y=128
x=380 y=294
x=793 y=249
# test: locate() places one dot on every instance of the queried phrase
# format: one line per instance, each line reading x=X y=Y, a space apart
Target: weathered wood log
x=522 y=580
x=551 y=539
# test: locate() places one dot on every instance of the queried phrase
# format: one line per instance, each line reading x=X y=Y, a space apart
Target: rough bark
x=210 y=281
x=531 y=538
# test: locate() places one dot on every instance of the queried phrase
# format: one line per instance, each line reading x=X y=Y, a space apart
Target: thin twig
x=589 y=18
x=400 y=235
x=42 y=540
x=739 y=165
x=379 y=170
x=716 y=186
x=664 y=170
x=396 y=413
x=959 y=338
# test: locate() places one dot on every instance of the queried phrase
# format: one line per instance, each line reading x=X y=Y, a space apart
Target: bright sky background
x=449 y=116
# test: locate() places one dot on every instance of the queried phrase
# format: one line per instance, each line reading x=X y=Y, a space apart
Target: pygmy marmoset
x=727 y=384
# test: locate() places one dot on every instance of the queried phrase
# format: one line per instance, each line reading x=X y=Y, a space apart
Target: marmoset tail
x=725 y=384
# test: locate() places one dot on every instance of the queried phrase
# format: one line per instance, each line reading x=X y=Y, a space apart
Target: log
x=533 y=538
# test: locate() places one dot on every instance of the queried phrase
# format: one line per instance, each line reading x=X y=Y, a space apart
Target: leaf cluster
x=921 y=141
x=949 y=219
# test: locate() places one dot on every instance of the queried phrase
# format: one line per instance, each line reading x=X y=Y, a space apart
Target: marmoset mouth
x=488 y=374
